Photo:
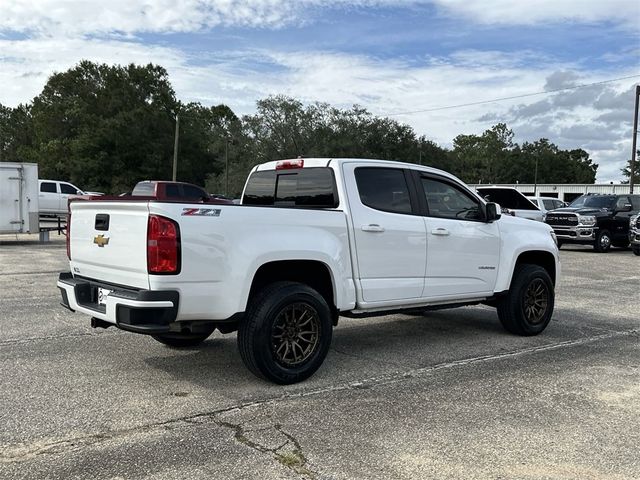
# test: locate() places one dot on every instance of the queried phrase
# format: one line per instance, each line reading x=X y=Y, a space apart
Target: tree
x=482 y=158
x=16 y=133
x=626 y=171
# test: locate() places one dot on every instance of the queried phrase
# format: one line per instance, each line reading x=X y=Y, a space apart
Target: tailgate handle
x=102 y=222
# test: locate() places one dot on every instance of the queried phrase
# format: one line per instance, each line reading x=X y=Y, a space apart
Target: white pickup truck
x=312 y=240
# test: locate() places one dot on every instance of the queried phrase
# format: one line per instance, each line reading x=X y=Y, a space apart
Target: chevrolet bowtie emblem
x=101 y=241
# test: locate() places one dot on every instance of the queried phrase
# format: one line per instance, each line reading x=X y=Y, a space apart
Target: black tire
x=636 y=250
x=273 y=322
x=560 y=243
x=603 y=241
x=531 y=287
x=182 y=340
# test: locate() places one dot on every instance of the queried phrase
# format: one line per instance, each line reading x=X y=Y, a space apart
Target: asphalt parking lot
x=447 y=395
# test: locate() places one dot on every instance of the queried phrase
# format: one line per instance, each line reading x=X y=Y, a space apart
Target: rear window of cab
x=313 y=187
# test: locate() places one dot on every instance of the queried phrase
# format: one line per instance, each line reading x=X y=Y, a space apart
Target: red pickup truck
x=175 y=191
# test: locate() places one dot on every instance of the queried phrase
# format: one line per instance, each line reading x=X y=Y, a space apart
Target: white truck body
x=19 y=197
x=376 y=260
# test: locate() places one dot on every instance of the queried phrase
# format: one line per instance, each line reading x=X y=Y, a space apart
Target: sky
x=402 y=58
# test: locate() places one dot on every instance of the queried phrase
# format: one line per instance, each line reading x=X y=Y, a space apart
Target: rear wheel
x=182 y=340
x=528 y=306
x=286 y=332
x=603 y=241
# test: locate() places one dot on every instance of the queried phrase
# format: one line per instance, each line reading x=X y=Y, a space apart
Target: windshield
x=593 y=202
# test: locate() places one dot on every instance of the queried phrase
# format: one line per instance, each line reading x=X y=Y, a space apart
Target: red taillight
x=163 y=245
x=69 y=235
x=286 y=164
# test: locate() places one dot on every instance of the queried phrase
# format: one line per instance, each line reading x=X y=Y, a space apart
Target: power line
x=481 y=102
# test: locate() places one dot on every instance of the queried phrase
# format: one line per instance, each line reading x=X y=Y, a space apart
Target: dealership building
x=565 y=192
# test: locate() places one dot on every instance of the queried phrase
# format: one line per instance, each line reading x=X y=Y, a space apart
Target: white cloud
x=70 y=17
x=73 y=17
x=523 y=12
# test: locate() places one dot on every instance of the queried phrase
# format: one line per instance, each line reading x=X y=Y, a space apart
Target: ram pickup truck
x=599 y=220
x=312 y=240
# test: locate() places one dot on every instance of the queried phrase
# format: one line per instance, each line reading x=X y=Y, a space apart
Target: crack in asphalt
x=21 y=452
x=294 y=460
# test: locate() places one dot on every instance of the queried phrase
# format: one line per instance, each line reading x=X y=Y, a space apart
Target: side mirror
x=492 y=212
x=79 y=192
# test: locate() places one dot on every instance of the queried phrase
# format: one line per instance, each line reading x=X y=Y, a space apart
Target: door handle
x=440 y=231
x=372 y=227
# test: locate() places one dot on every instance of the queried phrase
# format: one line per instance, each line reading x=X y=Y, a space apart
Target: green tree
x=626 y=171
x=482 y=158
x=16 y=133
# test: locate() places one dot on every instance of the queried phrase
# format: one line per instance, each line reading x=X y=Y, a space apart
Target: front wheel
x=286 y=332
x=603 y=241
x=636 y=250
x=527 y=308
x=182 y=340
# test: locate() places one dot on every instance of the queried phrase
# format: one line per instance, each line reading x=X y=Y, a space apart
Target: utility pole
x=175 y=148
x=634 y=141
x=535 y=180
x=226 y=166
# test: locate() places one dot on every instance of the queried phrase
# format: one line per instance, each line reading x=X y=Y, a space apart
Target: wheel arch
x=314 y=273
x=541 y=258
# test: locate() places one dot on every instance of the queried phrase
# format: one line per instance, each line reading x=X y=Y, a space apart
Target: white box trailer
x=19 y=198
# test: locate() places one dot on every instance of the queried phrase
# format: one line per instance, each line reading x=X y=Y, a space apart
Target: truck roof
x=330 y=161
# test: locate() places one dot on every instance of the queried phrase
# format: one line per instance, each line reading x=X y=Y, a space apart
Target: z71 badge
x=201 y=212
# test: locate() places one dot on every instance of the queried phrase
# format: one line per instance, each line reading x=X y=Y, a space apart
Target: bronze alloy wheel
x=295 y=334
x=536 y=301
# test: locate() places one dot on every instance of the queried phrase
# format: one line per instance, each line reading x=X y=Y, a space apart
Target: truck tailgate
x=109 y=242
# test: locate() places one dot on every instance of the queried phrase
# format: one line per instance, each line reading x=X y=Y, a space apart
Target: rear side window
x=48 y=187
x=303 y=187
x=144 y=189
x=383 y=189
x=194 y=192
x=172 y=191
x=66 y=188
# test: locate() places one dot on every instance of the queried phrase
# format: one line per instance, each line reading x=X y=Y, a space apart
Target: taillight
x=163 y=245
x=69 y=235
x=287 y=164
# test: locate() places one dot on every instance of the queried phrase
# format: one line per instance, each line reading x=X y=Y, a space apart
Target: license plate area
x=102 y=295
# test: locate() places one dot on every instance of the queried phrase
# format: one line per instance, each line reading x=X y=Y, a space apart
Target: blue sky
x=386 y=55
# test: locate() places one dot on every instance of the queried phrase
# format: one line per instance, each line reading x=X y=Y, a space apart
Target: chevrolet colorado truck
x=312 y=240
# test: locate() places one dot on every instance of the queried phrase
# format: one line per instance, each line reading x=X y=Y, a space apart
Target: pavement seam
x=20 y=452
x=19 y=341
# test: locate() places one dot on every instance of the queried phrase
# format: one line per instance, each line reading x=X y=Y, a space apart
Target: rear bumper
x=139 y=311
